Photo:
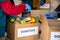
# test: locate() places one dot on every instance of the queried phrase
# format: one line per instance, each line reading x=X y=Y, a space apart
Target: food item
x=37 y=19
x=12 y=20
x=22 y=22
x=27 y=19
x=33 y=20
x=18 y=19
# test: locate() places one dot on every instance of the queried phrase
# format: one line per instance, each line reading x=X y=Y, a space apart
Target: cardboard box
x=36 y=4
x=22 y=31
x=47 y=6
x=36 y=13
x=54 y=4
x=50 y=29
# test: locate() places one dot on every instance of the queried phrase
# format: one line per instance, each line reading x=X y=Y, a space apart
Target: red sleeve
x=12 y=9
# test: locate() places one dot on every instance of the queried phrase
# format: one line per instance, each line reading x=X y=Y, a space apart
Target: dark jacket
x=2 y=16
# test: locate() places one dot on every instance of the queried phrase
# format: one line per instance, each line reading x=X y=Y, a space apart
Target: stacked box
x=50 y=29
x=22 y=31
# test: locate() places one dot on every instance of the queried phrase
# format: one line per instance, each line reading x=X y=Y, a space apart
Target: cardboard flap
x=36 y=13
x=43 y=19
x=52 y=23
x=45 y=28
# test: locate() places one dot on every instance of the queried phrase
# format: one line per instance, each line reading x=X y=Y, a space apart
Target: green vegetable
x=12 y=20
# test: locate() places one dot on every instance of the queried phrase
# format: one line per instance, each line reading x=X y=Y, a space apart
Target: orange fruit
x=18 y=19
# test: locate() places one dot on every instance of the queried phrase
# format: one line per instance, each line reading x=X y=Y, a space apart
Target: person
x=58 y=10
x=11 y=9
x=29 y=2
x=7 y=8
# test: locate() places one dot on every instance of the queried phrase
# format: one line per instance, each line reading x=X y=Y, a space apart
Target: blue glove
x=51 y=15
x=28 y=7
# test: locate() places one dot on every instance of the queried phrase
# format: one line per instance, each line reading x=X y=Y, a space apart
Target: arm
x=10 y=9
